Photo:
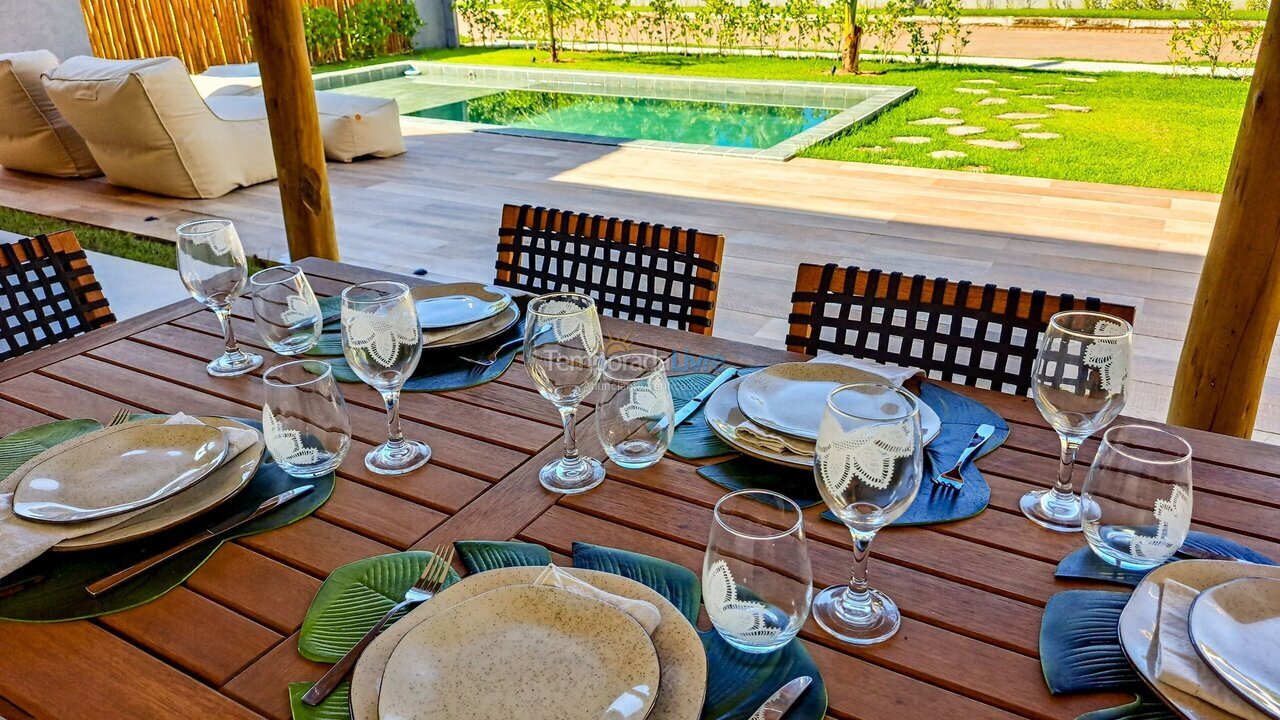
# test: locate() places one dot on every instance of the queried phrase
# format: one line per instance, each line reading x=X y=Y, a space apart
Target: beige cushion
x=34 y=136
x=354 y=126
x=149 y=129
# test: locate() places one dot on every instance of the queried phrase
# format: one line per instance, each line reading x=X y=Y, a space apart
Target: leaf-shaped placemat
x=1144 y=707
x=738 y=683
x=353 y=598
x=693 y=438
x=745 y=472
x=674 y=582
x=1085 y=565
x=21 y=446
x=480 y=555
x=329 y=344
x=335 y=707
x=1080 y=643
x=61 y=596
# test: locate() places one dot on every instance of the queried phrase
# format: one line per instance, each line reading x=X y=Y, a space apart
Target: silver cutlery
x=952 y=478
x=432 y=579
x=492 y=357
x=778 y=705
x=692 y=406
x=121 y=417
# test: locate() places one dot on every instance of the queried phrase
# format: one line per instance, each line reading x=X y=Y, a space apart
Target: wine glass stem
x=228 y=333
x=394 y=436
x=858 y=586
x=571 y=454
x=1066 y=463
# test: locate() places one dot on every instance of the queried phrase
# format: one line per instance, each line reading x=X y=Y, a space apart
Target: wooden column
x=295 y=127
x=1237 y=306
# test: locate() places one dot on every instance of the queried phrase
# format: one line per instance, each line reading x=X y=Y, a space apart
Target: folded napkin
x=1177 y=663
x=645 y=613
x=22 y=540
x=895 y=374
x=753 y=435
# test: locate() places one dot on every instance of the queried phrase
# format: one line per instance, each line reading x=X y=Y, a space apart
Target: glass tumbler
x=285 y=309
x=1136 y=500
x=304 y=418
x=635 y=414
x=756 y=581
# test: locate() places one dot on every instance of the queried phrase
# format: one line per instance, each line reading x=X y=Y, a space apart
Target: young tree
x=551 y=12
x=852 y=39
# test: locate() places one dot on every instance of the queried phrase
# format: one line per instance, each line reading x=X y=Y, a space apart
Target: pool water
x=683 y=121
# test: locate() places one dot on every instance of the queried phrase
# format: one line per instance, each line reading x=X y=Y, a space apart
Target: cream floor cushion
x=150 y=129
x=34 y=136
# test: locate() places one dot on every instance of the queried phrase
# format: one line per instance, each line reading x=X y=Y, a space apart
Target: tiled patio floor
x=437 y=207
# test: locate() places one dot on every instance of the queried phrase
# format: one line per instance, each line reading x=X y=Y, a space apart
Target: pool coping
x=878 y=98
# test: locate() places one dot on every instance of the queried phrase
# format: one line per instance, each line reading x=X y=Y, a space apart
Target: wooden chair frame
x=545 y=250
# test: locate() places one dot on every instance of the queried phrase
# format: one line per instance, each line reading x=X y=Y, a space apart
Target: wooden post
x=1237 y=306
x=295 y=127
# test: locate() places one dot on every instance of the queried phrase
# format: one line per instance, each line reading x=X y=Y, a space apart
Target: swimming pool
x=768 y=120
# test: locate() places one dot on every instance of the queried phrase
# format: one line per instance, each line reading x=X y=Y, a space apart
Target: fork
x=952 y=478
x=492 y=357
x=432 y=579
x=121 y=417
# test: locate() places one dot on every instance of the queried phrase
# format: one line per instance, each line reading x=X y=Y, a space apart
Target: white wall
x=55 y=25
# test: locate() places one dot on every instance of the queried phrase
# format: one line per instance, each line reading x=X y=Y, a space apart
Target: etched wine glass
x=868 y=465
x=304 y=418
x=1079 y=382
x=635 y=412
x=212 y=266
x=285 y=309
x=382 y=342
x=1136 y=501
x=564 y=354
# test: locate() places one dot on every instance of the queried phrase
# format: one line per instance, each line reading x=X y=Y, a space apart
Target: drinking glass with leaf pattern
x=1136 y=500
x=756 y=580
x=868 y=466
x=1079 y=385
x=635 y=413
x=285 y=309
x=304 y=418
x=382 y=342
x=564 y=355
x=212 y=266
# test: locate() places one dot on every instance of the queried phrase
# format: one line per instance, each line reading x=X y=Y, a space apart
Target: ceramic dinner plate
x=452 y=304
x=215 y=489
x=116 y=469
x=721 y=410
x=1141 y=615
x=1235 y=628
x=533 y=652
x=680 y=654
x=471 y=334
x=791 y=397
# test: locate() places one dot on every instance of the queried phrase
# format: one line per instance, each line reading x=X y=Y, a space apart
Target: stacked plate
x=457 y=314
x=497 y=646
x=774 y=414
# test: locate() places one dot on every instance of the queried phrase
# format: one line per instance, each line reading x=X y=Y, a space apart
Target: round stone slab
x=1070 y=108
x=1026 y=126
x=982 y=81
x=949 y=111
x=947 y=154
x=973 y=91
x=1023 y=116
x=937 y=121
x=962 y=130
x=993 y=101
x=996 y=144
x=911 y=140
x=1041 y=135
x=1036 y=97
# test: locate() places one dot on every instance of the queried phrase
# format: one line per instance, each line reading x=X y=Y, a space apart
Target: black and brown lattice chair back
x=980 y=335
x=633 y=270
x=47 y=293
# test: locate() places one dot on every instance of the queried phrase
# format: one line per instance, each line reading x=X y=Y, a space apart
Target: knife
x=778 y=705
x=112 y=581
x=692 y=406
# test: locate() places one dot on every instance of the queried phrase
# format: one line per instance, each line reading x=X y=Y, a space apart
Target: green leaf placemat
x=61 y=596
x=335 y=707
x=480 y=555
x=745 y=472
x=1144 y=707
x=1083 y=564
x=17 y=448
x=1079 y=646
x=693 y=438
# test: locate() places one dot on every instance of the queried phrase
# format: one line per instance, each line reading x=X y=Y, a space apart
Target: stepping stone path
x=1026 y=126
x=993 y=101
x=1023 y=116
x=949 y=111
x=1006 y=90
x=1049 y=85
x=947 y=154
x=911 y=140
x=973 y=91
x=1036 y=97
x=1018 y=77
x=1080 y=80
x=1041 y=135
x=963 y=130
x=977 y=168
x=937 y=121
x=996 y=144
x=983 y=81
x=1070 y=108
x=874 y=149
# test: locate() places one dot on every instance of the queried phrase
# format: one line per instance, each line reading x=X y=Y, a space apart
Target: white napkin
x=645 y=613
x=1177 y=663
x=895 y=374
x=22 y=540
x=753 y=435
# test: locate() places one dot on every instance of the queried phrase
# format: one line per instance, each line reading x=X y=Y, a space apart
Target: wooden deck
x=437 y=207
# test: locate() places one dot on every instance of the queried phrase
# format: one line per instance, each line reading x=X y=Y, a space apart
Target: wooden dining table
x=224 y=643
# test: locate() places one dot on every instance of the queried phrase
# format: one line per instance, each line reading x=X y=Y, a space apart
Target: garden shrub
x=1212 y=34
x=363 y=30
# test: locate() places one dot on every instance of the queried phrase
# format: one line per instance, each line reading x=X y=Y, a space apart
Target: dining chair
x=980 y=335
x=47 y=293
x=639 y=271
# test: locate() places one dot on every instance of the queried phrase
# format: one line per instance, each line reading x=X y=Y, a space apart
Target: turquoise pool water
x=683 y=121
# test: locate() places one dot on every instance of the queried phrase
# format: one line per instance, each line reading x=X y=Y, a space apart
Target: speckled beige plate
x=116 y=469
x=212 y=491
x=684 y=662
x=532 y=652
x=1235 y=628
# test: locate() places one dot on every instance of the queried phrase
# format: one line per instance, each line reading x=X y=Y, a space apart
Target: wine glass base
x=1051 y=511
x=234 y=365
x=861 y=624
x=571 y=479
x=409 y=456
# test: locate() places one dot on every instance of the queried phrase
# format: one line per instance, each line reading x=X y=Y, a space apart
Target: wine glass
x=1136 y=500
x=285 y=309
x=563 y=353
x=382 y=342
x=1078 y=380
x=304 y=418
x=634 y=417
x=756 y=580
x=213 y=269
x=868 y=465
